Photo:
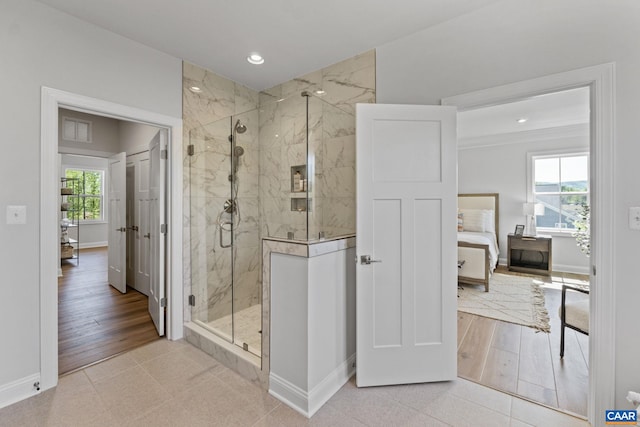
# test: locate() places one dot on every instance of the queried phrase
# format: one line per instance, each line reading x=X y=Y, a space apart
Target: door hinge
x=163 y=302
x=163 y=228
x=164 y=154
x=192 y=300
x=593 y=269
x=191 y=150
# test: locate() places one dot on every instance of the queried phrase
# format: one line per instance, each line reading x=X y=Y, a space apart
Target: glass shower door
x=211 y=244
x=226 y=263
x=247 y=250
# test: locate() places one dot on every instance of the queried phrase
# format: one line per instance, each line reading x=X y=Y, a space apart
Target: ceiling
x=300 y=36
x=554 y=110
x=294 y=36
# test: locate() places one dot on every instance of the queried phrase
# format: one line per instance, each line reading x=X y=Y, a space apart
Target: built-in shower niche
x=299 y=181
x=299 y=189
x=300 y=204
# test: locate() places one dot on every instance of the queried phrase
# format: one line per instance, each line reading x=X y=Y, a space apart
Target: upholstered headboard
x=482 y=201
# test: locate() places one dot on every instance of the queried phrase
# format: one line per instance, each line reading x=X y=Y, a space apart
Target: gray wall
x=503 y=169
x=104 y=135
x=42 y=47
x=109 y=136
x=135 y=137
x=515 y=40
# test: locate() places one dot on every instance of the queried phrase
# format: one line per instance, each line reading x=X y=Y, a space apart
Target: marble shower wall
x=207 y=119
x=331 y=148
x=275 y=140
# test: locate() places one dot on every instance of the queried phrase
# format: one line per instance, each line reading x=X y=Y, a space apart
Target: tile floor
x=247 y=324
x=175 y=384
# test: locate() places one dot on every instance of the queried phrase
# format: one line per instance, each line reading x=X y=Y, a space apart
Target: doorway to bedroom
x=535 y=154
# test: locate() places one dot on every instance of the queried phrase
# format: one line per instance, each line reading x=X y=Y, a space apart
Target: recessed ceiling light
x=320 y=92
x=195 y=89
x=255 y=59
x=522 y=120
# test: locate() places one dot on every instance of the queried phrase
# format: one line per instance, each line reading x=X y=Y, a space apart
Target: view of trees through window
x=561 y=184
x=89 y=186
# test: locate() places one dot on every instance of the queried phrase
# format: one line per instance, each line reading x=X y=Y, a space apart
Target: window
x=90 y=188
x=561 y=185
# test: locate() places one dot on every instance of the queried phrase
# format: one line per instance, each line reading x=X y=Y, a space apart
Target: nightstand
x=529 y=254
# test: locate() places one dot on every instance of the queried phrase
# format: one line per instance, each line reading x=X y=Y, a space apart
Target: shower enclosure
x=285 y=170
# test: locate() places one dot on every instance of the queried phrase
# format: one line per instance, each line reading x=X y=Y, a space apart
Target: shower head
x=240 y=128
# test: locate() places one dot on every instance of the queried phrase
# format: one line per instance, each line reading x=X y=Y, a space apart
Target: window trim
x=565 y=152
x=103 y=212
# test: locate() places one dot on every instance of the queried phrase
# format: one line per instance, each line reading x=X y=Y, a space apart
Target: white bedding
x=483 y=239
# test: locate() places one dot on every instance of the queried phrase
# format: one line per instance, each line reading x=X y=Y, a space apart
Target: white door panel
x=141 y=265
x=406 y=220
x=157 y=177
x=117 y=236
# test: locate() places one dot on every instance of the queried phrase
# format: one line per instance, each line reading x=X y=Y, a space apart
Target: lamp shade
x=531 y=208
x=528 y=208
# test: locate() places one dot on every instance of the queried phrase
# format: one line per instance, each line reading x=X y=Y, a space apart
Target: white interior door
x=118 y=221
x=406 y=223
x=157 y=228
x=140 y=253
x=131 y=279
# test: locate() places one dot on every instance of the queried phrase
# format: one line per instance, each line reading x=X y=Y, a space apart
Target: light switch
x=634 y=218
x=16 y=214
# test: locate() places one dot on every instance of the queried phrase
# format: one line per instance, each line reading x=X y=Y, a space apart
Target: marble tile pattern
x=170 y=383
x=275 y=140
x=208 y=124
x=331 y=161
x=247 y=327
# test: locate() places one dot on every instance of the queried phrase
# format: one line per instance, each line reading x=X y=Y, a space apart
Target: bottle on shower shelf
x=297 y=181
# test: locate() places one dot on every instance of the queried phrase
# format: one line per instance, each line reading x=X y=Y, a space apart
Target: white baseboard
x=289 y=394
x=308 y=403
x=18 y=390
x=90 y=245
x=330 y=385
x=561 y=268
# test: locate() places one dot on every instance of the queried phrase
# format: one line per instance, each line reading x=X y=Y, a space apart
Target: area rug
x=514 y=299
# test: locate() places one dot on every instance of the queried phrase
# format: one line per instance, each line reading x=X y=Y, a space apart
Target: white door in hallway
x=118 y=221
x=139 y=258
x=157 y=228
x=406 y=244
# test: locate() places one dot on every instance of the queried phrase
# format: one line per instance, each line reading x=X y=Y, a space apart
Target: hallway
x=95 y=321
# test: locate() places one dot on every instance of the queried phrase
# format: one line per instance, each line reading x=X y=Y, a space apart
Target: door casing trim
x=52 y=99
x=600 y=79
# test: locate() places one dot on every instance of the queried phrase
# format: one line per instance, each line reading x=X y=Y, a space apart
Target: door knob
x=122 y=229
x=133 y=228
x=147 y=236
x=366 y=259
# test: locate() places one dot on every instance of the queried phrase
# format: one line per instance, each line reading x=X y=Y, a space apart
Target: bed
x=478 y=218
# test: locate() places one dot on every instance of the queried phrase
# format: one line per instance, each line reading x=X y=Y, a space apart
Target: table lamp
x=531 y=210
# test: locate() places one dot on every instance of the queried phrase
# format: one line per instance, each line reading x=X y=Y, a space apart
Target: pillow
x=460 y=221
x=489 y=221
x=474 y=220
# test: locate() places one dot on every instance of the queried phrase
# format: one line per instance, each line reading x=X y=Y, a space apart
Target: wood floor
x=516 y=359
x=95 y=321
